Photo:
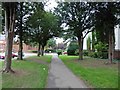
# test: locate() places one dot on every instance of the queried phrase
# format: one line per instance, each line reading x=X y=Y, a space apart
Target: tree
x=10 y=9
x=89 y=43
x=25 y=10
x=51 y=43
x=77 y=16
x=20 y=9
x=106 y=19
x=73 y=46
x=93 y=40
x=0 y=17
x=42 y=26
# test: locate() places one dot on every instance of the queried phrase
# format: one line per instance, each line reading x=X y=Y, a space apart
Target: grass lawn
x=93 y=71
x=31 y=72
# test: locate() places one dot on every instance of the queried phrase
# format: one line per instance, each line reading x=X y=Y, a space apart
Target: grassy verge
x=46 y=58
x=93 y=71
x=29 y=73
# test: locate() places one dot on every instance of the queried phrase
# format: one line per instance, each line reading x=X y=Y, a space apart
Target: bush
x=59 y=52
x=85 y=52
x=34 y=51
x=77 y=52
x=102 y=55
x=73 y=46
x=50 y=50
x=101 y=50
x=91 y=54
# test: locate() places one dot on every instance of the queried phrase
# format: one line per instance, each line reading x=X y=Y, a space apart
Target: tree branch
x=88 y=32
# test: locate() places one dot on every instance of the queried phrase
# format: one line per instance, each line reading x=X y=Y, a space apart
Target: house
x=117 y=42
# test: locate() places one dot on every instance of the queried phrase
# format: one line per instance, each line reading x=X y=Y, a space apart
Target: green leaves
x=42 y=25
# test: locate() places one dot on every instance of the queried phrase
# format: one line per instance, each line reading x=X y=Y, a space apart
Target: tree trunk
x=93 y=41
x=42 y=51
x=9 y=31
x=111 y=47
x=20 y=54
x=39 y=49
x=80 y=43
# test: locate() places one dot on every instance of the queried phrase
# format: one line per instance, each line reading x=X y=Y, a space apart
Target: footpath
x=61 y=77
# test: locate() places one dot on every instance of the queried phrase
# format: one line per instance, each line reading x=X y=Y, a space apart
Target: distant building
x=117 y=42
x=117 y=38
x=26 y=48
x=2 y=42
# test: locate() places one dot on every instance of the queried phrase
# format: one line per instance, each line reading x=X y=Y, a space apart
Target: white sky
x=50 y=5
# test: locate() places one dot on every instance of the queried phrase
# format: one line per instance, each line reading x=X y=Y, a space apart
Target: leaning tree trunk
x=20 y=54
x=9 y=31
x=80 y=43
x=38 y=53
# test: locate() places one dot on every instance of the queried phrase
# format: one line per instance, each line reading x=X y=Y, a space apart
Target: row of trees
x=31 y=23
x=84 y=17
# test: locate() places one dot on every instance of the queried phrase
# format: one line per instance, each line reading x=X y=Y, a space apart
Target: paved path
x=61 y=77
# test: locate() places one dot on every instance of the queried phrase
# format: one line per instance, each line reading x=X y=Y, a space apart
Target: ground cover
x=95 y=72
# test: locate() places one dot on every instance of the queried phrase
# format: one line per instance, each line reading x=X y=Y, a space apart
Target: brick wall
x=117 y=54
x=26 y=48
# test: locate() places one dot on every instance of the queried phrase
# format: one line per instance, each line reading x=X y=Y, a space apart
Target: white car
x=2 y=55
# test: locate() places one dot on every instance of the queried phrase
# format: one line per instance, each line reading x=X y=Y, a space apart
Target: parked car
x=65 y=52
x=14 y=54
x=2 y=55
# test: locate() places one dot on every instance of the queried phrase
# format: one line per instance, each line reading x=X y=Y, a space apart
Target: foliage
x=101 y=46
x=101 y=51
x=77 y=52
x=88 y=43
x=93 y=54
x=50 y=50
x=106 y=18
x=51 y=43
x=73 y=46
x=59 y=52
x=85 y=52
x=76 y=16
x=43 y=26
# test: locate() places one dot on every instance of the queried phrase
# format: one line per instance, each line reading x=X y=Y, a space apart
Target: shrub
x=73 y=46
x=50 y=50
x=59 y=52
x=91 y=54
x=34 y=51
x=101 y=50
x=77 y=52
x=102 y=55
x=85 y=52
